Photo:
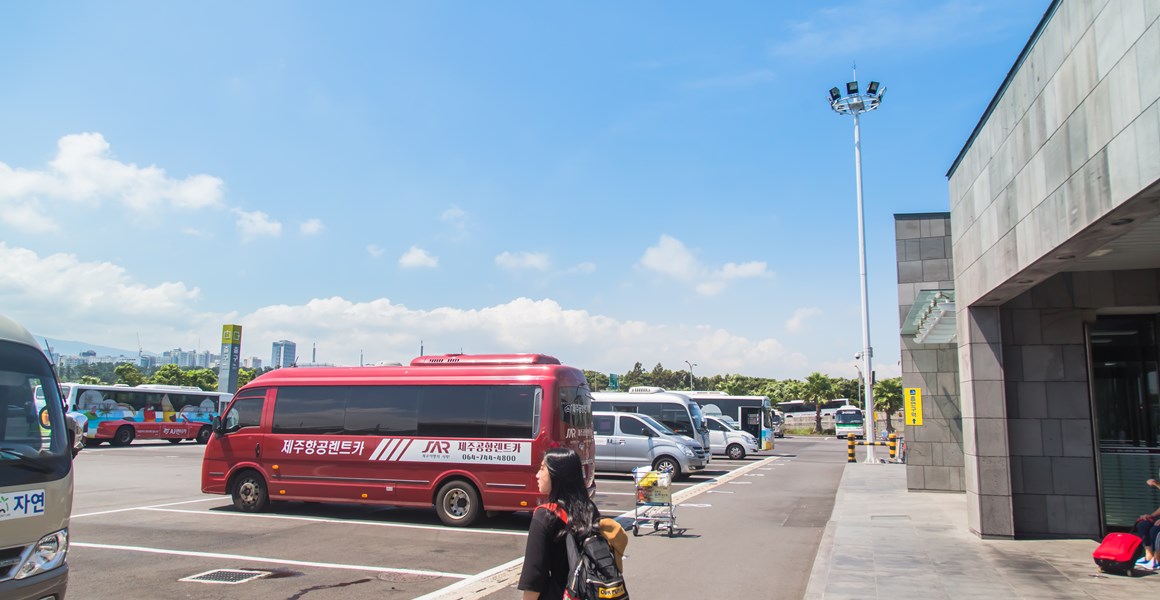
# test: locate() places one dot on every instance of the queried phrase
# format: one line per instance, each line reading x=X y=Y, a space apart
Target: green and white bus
x=849 y=419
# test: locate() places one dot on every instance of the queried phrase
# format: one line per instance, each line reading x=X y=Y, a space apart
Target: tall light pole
x=855 y=103
x=691 y=365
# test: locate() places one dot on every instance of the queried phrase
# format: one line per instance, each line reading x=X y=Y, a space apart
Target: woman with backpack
x=569 y=510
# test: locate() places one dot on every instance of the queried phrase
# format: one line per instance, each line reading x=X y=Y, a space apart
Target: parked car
x=725 y=437
x=625 y=441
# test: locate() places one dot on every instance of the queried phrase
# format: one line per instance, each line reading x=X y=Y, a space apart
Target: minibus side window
x=246 y=411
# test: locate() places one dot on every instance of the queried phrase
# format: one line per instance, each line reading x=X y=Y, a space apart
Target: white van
x=725 y=437
x=625 y=441
x=673 y=409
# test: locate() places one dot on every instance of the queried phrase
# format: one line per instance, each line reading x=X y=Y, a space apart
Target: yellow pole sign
x=912 y=398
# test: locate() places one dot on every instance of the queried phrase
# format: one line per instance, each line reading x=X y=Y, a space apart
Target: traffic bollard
x=893 y=445
x=850 y=448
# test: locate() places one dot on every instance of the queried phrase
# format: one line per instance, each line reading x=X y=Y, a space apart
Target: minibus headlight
x=688 y=451
x=46 y=555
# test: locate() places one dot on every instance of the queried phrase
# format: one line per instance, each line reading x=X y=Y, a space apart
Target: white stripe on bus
x=375 y=454
x=279 y=561
x=401 y=448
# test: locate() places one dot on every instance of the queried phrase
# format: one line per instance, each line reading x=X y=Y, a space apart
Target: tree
x=819 y=389
x=597 y=381
x=736 y=385
x=90 y=379
x=129 y=375
x=635 y=377
x=205 y=379
x=888 y=398
x=169 y=375
x=245 y=376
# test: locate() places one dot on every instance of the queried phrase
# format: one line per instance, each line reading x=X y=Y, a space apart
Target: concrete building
x=284 y=354
x=1053 y=401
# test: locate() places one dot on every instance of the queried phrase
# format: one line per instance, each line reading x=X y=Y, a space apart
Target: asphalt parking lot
x=141 y=526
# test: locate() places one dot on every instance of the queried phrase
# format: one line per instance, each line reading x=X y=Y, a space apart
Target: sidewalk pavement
x=885 y=542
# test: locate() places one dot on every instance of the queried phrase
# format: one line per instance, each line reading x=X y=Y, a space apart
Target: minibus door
x=751 y=420
x=634 y=444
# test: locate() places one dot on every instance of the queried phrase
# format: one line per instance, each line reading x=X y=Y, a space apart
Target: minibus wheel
x=735 y=451
x=124 y=436
x=203 y=435
x=457 y=503
x=667 y=464
x=249 y=492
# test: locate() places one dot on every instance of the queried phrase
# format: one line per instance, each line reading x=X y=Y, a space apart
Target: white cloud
x=882 y=25
x=84 y=172
x=61 y=297
x=457 y=218
x=311 y=227
x=670 y=257
x=255 y=224
x=417 y=258
x=27 y=216
x=523 y=260
x=797 y=323
x=583 y=268
x=374 y=250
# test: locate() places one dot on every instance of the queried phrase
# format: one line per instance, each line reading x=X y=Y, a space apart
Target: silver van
x=726 y=437
x=625 y=441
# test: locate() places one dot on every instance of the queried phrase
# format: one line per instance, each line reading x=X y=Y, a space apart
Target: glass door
x=1126 y=403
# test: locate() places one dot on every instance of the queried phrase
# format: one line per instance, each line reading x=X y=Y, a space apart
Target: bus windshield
x=657 y=425
x=33 y=438
x=848 y=417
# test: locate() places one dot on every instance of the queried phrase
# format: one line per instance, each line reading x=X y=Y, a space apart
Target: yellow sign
x=912 y=399
x=231 y=334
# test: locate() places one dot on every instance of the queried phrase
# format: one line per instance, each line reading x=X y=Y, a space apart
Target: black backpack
x=592 y=571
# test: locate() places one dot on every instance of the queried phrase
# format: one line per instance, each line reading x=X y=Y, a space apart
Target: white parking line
x=280 y=561
x=341 y=521
x=117 y=510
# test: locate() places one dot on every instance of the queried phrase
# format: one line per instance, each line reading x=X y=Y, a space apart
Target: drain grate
x=228 y=576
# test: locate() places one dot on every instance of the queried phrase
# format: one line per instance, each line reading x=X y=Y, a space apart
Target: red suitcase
x=1118 y=553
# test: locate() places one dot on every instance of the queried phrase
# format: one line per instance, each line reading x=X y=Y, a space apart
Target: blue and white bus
x=752 y=413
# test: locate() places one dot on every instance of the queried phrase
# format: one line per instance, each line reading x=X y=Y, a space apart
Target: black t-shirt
x=546 y=557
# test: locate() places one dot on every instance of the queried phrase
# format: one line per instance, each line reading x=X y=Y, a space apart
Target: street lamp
x=855 y=103
x=691 y=365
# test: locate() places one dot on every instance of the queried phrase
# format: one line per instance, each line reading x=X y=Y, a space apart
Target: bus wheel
x=666 y=464
x=457 y=503
x=735 y=451
x=174 y=440
x=203 y=434
x=124 y=436
x=249 y=492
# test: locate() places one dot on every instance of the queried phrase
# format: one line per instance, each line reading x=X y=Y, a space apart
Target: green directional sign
x=613 y=381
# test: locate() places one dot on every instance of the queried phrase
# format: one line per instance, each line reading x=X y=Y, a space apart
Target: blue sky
x=607 y=183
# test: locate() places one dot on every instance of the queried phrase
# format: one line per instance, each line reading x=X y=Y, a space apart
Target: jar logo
x=435 y=446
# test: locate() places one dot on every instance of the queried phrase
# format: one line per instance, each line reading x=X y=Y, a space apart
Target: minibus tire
x=203 y=435
x=72 y=444
x=735 y=452
x=256 y=498
x=675 y=467
x=452 y=493
x=123 y=436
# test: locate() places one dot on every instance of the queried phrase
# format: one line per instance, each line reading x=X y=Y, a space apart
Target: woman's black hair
x=570 y=492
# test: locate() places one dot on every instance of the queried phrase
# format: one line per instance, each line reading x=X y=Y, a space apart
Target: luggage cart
x=654 y=501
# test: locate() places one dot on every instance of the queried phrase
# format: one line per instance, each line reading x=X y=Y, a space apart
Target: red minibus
x=465 y=433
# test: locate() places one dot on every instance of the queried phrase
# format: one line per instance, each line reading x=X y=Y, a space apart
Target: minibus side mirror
x=217 y=425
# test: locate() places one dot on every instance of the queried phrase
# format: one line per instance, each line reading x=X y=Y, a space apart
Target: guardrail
x=891 y=443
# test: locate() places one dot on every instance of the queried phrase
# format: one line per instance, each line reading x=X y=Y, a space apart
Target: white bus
x=849 y=419
x=119 y=414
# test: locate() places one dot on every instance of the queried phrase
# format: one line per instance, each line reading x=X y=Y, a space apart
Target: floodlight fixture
x=872 y=89
x=851 y=88
x=835 y=94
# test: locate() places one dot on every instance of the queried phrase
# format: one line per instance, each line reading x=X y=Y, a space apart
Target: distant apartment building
x=283 y=354
x=252 y=362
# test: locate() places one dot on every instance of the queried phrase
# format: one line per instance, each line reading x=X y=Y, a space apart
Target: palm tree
x=888 y=397
x=818 y=389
